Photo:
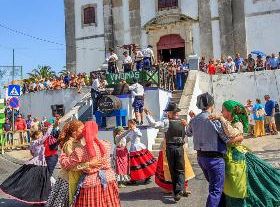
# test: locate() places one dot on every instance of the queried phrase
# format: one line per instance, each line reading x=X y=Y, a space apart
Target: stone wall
x=238 y=87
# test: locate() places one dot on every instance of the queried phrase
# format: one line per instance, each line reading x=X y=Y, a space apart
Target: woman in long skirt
x=249 y=180
x=31 y=182
x=99 y=187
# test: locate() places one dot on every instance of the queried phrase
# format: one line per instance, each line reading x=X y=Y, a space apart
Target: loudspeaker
x=58 y=109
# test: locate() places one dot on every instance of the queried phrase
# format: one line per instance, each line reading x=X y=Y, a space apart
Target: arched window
x=167 y=4
x=89 y=15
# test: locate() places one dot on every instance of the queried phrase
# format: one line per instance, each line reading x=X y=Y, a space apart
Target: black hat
x=204 y=101
x=172 y=107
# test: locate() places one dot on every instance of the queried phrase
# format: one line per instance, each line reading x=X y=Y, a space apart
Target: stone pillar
x=226 y=28
x=205 y=28
x=239 y=30
x=108 y=25
x=135 y=21
x=118 y=22
x=70 y=37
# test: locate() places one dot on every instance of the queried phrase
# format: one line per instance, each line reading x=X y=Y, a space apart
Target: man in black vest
x=174 y=134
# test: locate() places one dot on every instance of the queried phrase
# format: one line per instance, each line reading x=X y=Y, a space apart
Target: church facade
x=175 y=28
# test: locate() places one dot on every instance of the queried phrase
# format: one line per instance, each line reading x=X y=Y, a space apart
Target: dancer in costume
x=121 y=158
x=65 y=187
x=99 y=187
x=173 y=167
x=142 y=162
x=249 y=180
x=210 y=143
x=31 y=182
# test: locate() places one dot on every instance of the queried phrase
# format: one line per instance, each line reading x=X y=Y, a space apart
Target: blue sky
x=40 y=18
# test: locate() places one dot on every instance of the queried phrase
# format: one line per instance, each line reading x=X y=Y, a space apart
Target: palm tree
x=64 y=72
x=42 y=72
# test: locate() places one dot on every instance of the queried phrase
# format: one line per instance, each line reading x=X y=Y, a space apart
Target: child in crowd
x=121 y=157
x=31 y=182
x=142 y=162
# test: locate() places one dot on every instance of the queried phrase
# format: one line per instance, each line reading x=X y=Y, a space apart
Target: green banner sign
x=142 y=77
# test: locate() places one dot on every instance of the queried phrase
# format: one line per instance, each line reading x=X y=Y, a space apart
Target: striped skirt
x=97 y=196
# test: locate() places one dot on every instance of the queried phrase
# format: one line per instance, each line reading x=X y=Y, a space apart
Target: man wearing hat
x=174 y=129
x=210 y=143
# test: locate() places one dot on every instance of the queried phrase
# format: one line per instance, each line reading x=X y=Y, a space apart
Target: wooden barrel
x=108 y=103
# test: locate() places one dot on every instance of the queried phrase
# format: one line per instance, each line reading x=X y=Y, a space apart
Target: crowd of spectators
x=239 y=64
x=57 y=82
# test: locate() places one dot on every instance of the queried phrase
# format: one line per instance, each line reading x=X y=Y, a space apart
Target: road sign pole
x=13 y=111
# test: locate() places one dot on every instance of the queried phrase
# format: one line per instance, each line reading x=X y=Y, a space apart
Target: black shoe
x=177 y=197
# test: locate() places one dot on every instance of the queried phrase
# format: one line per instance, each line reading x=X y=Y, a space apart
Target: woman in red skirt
x=99 y=187
x=142 y=162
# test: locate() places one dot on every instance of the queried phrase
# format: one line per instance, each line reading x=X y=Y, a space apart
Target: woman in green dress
x=249 y=180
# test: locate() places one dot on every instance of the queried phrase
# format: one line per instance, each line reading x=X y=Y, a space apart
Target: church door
x=171 y=47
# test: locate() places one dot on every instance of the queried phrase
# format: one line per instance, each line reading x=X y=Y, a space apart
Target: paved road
x=144 y=195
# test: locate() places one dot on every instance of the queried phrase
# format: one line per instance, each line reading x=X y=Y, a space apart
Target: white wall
x=262 y=25
x=196 y=38
x=190 y=8
x=253 y=6
x=39 y=104
x=216 y=39
x=262 y=33
x=90 y=52
x=90 y=59
x=126 y=23
x=147 y=11
x=214 y=8
x=155 y=100
x=239 y=87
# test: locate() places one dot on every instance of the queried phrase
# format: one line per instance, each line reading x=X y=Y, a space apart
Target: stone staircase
x=176 y=96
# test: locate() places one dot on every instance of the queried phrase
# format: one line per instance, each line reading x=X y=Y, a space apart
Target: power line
x=43 y=39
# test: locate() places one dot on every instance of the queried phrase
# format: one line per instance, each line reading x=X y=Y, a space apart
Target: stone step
x=158 y=140
x=155 y=153
x=156 y=147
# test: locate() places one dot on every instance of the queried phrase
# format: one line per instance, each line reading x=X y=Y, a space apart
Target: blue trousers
x=51 y=163
x=214 y=172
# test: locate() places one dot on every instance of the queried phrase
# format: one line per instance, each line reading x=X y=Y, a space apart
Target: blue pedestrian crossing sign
x=14 y=90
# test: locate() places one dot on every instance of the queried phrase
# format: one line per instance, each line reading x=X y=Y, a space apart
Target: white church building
x=175 y=28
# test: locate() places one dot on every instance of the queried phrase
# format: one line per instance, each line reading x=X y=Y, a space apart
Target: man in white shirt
x=127 y=63
x=138 y=59
x=112 y=61
x=137 y=92
x=96 y=88
x=148 y=57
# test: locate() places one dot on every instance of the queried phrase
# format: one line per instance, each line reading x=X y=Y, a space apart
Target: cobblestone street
x=151 y=195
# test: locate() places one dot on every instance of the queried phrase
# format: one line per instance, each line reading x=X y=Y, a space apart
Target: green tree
x=42 y=72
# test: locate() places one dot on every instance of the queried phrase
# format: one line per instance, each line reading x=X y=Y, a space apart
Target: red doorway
x=171 y=47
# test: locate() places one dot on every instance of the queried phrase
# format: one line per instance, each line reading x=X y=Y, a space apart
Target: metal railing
x=14 y=140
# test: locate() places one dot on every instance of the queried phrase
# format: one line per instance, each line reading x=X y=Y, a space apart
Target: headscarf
x=90 y=133
x=238 y=112
x=204 y=101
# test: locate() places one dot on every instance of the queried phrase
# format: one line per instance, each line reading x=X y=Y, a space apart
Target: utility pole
x=13 y=76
